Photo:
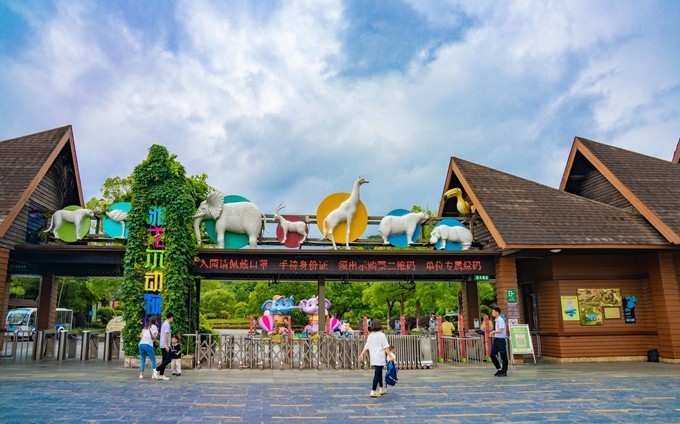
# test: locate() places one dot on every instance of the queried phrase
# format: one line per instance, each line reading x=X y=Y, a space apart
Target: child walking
x=376 y=346
x=392 y=368
x=176 y=352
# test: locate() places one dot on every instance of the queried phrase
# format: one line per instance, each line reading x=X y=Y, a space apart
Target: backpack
x=391 y=376
x=653 y=355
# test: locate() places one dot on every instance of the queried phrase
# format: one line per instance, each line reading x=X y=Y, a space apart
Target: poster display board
x=520 y=340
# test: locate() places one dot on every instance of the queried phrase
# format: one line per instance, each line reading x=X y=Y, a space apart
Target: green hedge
x=230 y=323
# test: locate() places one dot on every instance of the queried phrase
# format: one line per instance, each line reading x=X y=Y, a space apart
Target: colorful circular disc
x=67 y=231
x=359 y=222
x=293 y=239
x=399 y=240
x=231 y=240
x=449 y=245
x=115 y=219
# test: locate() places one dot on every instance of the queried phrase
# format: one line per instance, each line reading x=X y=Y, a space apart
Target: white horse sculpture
x=344 y=213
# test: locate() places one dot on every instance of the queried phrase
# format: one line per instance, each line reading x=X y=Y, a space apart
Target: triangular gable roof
x=523 y=214
x=650 y=184
x=24 y=161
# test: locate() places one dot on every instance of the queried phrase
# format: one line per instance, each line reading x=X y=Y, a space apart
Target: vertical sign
x=155 y=262
x=513 y=308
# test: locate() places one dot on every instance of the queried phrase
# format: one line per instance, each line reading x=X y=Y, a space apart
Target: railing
x=227 y=351
x=464 y=350
x=59 y=345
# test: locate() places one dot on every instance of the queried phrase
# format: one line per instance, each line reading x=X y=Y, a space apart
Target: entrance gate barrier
x=111 y=345
x=227 y=351
x=464 y=350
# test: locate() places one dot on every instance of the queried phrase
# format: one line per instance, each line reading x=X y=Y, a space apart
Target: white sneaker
x=162 y=377
x=374 y=393
x=141 y=375
x=154 y=375
x=382 y=391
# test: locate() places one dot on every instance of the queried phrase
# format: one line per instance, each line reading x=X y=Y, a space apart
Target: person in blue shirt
x=499 y=344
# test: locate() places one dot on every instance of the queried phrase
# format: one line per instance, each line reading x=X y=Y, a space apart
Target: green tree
x=220 y=302
x=346 y=297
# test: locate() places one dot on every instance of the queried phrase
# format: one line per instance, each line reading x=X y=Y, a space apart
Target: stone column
x=663 y=284
x=47 y=302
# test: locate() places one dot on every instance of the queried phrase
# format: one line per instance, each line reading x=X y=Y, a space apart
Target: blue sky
x=292 y=101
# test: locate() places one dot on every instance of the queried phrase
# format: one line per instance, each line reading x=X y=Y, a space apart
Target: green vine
x=159 y=180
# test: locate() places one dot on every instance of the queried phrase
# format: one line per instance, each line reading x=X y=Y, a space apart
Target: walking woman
x=148 y=336
x=377 y=347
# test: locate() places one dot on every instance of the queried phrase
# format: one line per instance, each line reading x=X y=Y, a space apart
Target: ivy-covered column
x=159 y=254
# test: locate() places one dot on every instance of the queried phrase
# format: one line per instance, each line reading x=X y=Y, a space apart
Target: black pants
x=167 y=358
x=497 y=347
x=377 y=377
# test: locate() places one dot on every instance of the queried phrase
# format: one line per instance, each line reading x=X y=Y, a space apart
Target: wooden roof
x=24 y=161
x=524 y=214
x=651 y=185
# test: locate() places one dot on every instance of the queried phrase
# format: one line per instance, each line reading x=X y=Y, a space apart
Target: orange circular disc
x=359 y=221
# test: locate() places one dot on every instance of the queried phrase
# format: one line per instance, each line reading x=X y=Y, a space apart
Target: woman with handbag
x=148 y=337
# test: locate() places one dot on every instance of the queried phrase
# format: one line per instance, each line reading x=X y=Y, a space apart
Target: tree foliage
x=159 y=180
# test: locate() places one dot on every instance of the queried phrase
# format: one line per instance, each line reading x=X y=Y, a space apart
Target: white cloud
x=257 y=100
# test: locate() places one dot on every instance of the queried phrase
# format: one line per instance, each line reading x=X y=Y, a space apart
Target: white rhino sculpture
x=237 y=217
x=456 y=234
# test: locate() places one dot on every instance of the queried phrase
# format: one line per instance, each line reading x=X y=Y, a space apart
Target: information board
x=520 y=340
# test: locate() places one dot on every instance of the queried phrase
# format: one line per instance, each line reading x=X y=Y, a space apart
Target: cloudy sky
x=294 y=100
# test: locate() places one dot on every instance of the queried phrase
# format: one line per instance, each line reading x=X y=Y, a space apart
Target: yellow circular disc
x=359 y=221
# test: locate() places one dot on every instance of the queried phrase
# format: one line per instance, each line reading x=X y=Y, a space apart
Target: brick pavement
x=76 y=391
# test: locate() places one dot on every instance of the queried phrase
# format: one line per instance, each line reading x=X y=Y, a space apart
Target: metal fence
x=464 y=351
x=227 y=351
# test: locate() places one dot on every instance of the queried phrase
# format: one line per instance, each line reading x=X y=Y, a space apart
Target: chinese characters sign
x=155 y=262
x=341 y=264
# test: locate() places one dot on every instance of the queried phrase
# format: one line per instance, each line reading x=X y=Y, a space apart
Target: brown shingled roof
x=650 y=184
x=23 y=163
x=523 y=214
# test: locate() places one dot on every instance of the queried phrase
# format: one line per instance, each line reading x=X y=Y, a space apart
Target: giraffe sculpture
x=344 y=213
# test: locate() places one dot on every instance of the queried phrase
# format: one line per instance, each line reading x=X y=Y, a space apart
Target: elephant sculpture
x=237 y=217
x=311 y=307
x=275 y=309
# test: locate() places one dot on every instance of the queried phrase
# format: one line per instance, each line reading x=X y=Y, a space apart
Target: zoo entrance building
x=593 y=267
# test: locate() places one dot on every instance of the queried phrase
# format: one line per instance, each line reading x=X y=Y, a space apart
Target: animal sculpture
x=311 y=307
x=344 y=213
x=407 y=224
x=118 y=215
x=454 y=234
x=75 y=217
x=237 y=217
x=290 y=226
x=464 y=207
x=275 y=311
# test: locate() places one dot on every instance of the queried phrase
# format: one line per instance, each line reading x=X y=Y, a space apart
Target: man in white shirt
x=166 y=346
x=499 y=345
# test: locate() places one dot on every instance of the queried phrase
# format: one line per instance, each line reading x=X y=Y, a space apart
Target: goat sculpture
x=287 y=226
x=344 y=213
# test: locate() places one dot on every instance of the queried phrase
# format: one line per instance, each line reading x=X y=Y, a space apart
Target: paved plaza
x=95 y=391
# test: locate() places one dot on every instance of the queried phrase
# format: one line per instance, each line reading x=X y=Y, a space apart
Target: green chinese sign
x=520 y=340
x=512 y=295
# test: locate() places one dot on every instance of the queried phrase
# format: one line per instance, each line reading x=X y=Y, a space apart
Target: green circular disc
x=231 y=240
x=67 y=231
